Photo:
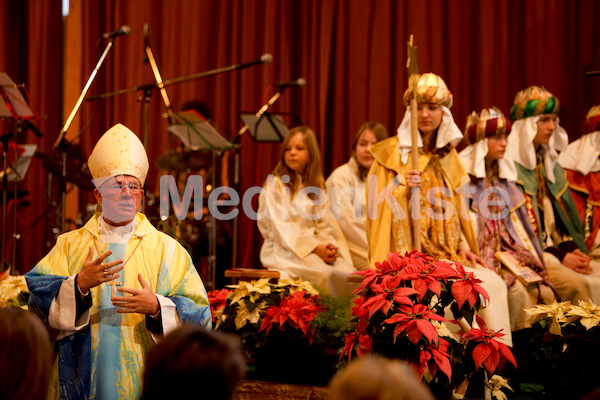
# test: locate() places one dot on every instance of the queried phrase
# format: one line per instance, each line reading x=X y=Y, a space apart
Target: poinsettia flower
x=386 y=293
x=252 y=290
x=218 y=298
x=427 y=276
x=415 y=321
x=351 y=340
x=554 y=312
x=489 y=352
x=244 y=316
x=588 y=314
x=295 y=285
x=496 y=384
x=295 y=310
x=467 y=288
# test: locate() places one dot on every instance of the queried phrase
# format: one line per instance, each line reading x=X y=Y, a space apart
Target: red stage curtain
x=352 y=54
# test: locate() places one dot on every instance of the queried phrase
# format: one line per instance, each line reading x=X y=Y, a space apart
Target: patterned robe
x=101 y=353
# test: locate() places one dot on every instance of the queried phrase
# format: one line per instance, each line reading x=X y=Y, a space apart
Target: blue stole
x=108 y=351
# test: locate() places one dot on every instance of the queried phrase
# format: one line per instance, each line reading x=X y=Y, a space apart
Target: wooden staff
x=413 y=78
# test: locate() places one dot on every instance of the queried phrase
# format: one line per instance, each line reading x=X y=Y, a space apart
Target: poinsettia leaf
x=444 y=270
x=436 y=287
x=443 y=362
x=507 y=354
x=428 y=330
x=374 y=304
x=421 y=287
x=413 y=332
x=349 y=342
x=398 y=330
x=386 y=307
x=480 y=322
x=491 y=363
x=461 y=291
x=480 y=353
x=479 y=289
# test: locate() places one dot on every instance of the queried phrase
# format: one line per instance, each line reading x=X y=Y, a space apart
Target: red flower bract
x=467 y=288
x=415 y=321
x=489 y=352
x=294 y=310
x=217 y=299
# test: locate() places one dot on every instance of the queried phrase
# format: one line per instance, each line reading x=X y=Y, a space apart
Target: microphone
x=146 y=43
x=264 y=59
x=125 y=29
x=298 y=82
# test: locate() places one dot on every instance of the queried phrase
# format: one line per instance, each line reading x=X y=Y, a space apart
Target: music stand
x=266 y=127
x=199 y=134
x=15 y=107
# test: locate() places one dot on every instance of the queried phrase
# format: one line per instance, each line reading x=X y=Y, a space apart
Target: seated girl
x=301 y=239
x=502 y=223
x=346 y=187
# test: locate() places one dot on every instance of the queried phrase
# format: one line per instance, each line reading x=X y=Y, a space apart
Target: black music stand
x=15 y=107
x=198 y=133
x=266 y=127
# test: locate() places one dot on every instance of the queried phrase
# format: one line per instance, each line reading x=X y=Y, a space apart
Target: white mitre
x=118 y=152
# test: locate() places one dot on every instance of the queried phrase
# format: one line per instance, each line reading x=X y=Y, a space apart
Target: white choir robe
x=292 y=229
x=348 y=199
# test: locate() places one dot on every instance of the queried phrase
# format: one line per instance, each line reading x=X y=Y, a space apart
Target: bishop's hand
x=142 y=301
x=94 y=272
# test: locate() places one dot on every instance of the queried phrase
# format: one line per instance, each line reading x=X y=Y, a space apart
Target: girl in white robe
x=301 y=239
x=346 y=187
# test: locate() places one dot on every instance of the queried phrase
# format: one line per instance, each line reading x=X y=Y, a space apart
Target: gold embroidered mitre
x=118 y=152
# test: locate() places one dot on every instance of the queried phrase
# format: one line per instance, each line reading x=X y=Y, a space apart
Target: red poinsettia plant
x=405 y=308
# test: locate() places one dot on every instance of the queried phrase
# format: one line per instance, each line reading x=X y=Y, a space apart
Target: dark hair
x=191 y=358
x=26 y=356
x=380 y=133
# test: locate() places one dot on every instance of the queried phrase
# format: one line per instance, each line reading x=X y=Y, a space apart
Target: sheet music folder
x=266 y=128
x=198 y=133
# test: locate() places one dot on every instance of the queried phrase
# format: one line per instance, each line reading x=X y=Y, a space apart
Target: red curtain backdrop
x=352 y=54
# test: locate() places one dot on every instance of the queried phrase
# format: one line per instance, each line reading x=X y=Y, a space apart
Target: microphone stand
x=62 y=144
x=181 y=79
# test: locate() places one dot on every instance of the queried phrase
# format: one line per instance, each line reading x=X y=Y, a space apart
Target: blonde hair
x=376 y=378
x=313 y=173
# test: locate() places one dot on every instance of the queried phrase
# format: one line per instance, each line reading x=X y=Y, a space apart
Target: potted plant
x=564 y=344
x=400 y=313
x=291 y=333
